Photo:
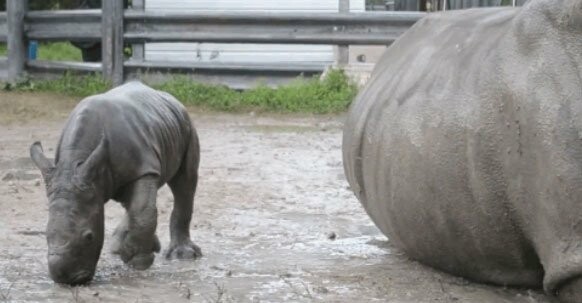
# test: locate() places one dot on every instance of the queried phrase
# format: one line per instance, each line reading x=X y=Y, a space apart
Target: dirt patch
x=21 y=108
x=273 y=216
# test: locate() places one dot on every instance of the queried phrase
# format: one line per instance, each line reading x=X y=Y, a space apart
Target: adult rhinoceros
x=465 y=147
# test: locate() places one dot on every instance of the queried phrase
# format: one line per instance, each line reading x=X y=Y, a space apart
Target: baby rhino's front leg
x=125 y=245
x=135 y=239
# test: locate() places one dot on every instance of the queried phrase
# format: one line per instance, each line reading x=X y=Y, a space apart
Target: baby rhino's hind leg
x=183 y=186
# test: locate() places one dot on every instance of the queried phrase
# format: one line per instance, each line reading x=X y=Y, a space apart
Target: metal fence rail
x=79 y=25
x=345 y=28
x=116 y=28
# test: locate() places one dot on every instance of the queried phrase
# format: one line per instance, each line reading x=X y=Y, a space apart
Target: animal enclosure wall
x=114 y=28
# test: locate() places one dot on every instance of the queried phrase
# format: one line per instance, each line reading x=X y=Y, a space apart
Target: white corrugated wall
x=245 y=53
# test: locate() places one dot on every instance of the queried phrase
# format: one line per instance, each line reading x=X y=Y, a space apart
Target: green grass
x=332 y=94
x=69 y=85
x=57 y=51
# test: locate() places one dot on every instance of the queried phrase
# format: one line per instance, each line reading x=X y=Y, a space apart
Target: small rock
x=332 y=236
x=323 y=126
x=321 y=290
x=8 y=177
x=96 y=294
x=229 y=273
x=37 y=183
x=215 y=267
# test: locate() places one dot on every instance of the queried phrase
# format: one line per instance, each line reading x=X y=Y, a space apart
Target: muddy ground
x=273 y=216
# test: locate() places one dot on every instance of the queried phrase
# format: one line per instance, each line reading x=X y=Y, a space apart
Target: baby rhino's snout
x=62 y=270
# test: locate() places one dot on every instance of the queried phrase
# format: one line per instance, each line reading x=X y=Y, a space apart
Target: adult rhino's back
x=461 y=141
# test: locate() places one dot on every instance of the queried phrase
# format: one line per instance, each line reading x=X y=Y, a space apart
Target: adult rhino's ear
x=41 y=161
x=571 y=16
x=88 y=170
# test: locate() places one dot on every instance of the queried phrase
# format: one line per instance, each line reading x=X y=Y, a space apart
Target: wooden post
x=112 y=40
x=138 y=51
x=17 y=51
x=343 y=51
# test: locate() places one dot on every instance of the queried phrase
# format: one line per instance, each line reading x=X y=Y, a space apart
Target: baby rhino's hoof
x=141 y=261
x=182 y=251
x=134 y=254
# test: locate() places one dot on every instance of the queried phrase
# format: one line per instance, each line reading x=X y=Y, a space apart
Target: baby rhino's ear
x=41 y=161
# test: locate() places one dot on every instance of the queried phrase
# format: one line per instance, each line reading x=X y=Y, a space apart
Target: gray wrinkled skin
x=465 y=147
x=121 y=145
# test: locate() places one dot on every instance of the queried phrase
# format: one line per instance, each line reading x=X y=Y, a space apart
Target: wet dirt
x=273 y=216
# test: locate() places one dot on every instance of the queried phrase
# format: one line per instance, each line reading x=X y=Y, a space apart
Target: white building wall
x=245 y=53
x=252 y=5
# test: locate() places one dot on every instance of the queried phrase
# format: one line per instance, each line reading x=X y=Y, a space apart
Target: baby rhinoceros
x=121 y=145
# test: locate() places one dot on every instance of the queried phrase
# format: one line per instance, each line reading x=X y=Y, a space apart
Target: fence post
x=112 y=40
x=343 y=51
x=15 y=12
x=138 y=51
